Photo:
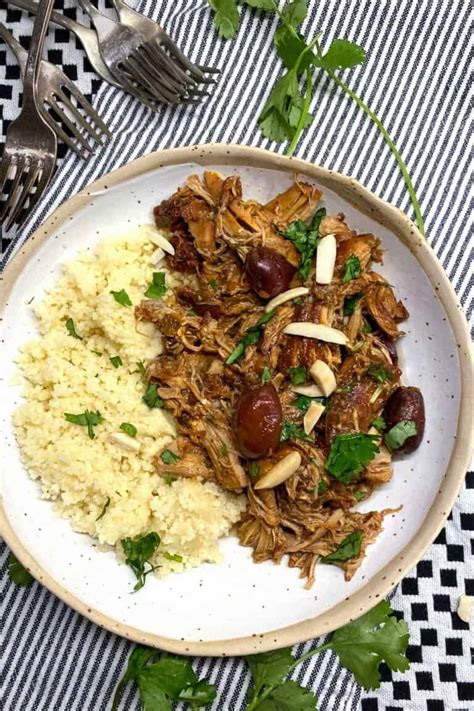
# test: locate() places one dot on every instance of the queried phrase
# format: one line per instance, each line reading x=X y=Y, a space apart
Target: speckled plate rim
x=384 y=581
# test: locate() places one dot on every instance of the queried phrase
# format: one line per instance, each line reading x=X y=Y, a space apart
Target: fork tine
x=158 y=64
x=30 y=179
x=181 y=58
x=11 y=197
x=168 y=92
x=89 y=109
x=5 y=166
x=79 y=117
x=46 y=174
x=67 y=121
x=144 y=82
x=156 y=54
x=62 y=135
x=137 y=91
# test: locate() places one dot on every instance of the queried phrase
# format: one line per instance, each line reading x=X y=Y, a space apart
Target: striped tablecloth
x=416 y=80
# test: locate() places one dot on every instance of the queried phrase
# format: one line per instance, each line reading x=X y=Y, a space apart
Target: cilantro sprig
x=349 y=548
x=17 y=572
x=306 y=239
x=157 y=288
x=286 y=111
x=252 y=335
x=349 y=455
x=85 y=419
x=352 y=269
x=399 y=433
x=138 y=551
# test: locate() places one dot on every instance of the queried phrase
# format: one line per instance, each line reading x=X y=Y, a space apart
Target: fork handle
x=56 y=17
x=19 y=51
x=35 y=50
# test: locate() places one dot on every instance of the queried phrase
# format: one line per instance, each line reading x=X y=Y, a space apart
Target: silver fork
x=86 y=35
x=142 y=68
x=51 y=86
x=151 y=30
x=29 y=153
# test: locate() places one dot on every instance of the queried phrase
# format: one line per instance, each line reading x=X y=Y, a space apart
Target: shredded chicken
x=213 y=229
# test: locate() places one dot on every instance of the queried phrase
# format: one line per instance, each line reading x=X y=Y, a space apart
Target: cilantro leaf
x=350 y=303
x=352 y=269
x=379 y=423
x=374 y=638
x=157 y=288
x=266 y=375
x=141 y=367
x=85 y=419
x=259 y=4
x=17 y=572
x=269 y=668
x=168 y=478
x=289 y=696
x=138 y=551
x=283 y=109
x=349 y=548
x=166 y=679
x=379 y=373
x=71 y=329
x=398 y=435
x=297 y=374
x=121 y=297
x=104 y=509
x=252 y=335
x=226 y=17
x=305 y=238
x=349 y=455
x=303 y=402
x=151 y=397
x=254 y=469
x=129 y=429
x=342 y=54
x=291 y=430
x=168 y=457
x=116 y=361
x=322 y=487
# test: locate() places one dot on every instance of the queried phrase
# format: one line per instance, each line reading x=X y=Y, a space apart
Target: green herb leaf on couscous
x=157 y=288
x=173 y=556
x=85 y=419
x=104 y=509
x=138 y=551
x=116 y=361
x=71 y=329
x=151 y=397
x=121 y=297
x=129 y=429
x=168 y=457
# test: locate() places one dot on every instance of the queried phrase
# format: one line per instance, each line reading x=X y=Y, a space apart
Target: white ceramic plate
x=239 y=607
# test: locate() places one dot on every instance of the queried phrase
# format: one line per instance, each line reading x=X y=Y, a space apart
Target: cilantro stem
x=304 y=113
x=310 y=654
x=367 y=110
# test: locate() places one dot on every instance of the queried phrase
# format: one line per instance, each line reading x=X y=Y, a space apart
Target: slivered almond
x=161 y=241
x=323 y=377
x=157 y=256
x=316 y=330
x=280 y=472
x=326 y=259
x=375 y=394
x=308 y=390
x=312 y=415
x=286 y=296
x=465 y=607
x=125 y=441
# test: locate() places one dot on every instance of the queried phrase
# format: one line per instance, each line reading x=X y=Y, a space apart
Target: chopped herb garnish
x=322 y=487
x=141 y=368
x=157 y=288
x=379 y=373
x=254 y=470
x=252 y=335
x=359 y=495
x=173 y=556
x=398 y=435
x=85 y=419
x=121 y=297
x=104 y=508
x=98 y=353
x=224 y=449
x=212 y=283
x=168 y=457
x=266 y=375
x=138 y=551
x=168 y=478
x=349 y=548
x=297 y=375
x=191 y=312
x=379 y=423
x=116 y=361
x=303 y=402
x=291 y=430
x=349 y=455
x=366 y=328
x=299 y=301
x=345 y=389
x=17 y=572
x=151 y=397
x=306 y=239
x=131 y=430
x=71 y=329
x=350 y=303
x=352 y=269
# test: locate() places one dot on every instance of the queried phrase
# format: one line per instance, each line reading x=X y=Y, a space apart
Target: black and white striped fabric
x=416 y=80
